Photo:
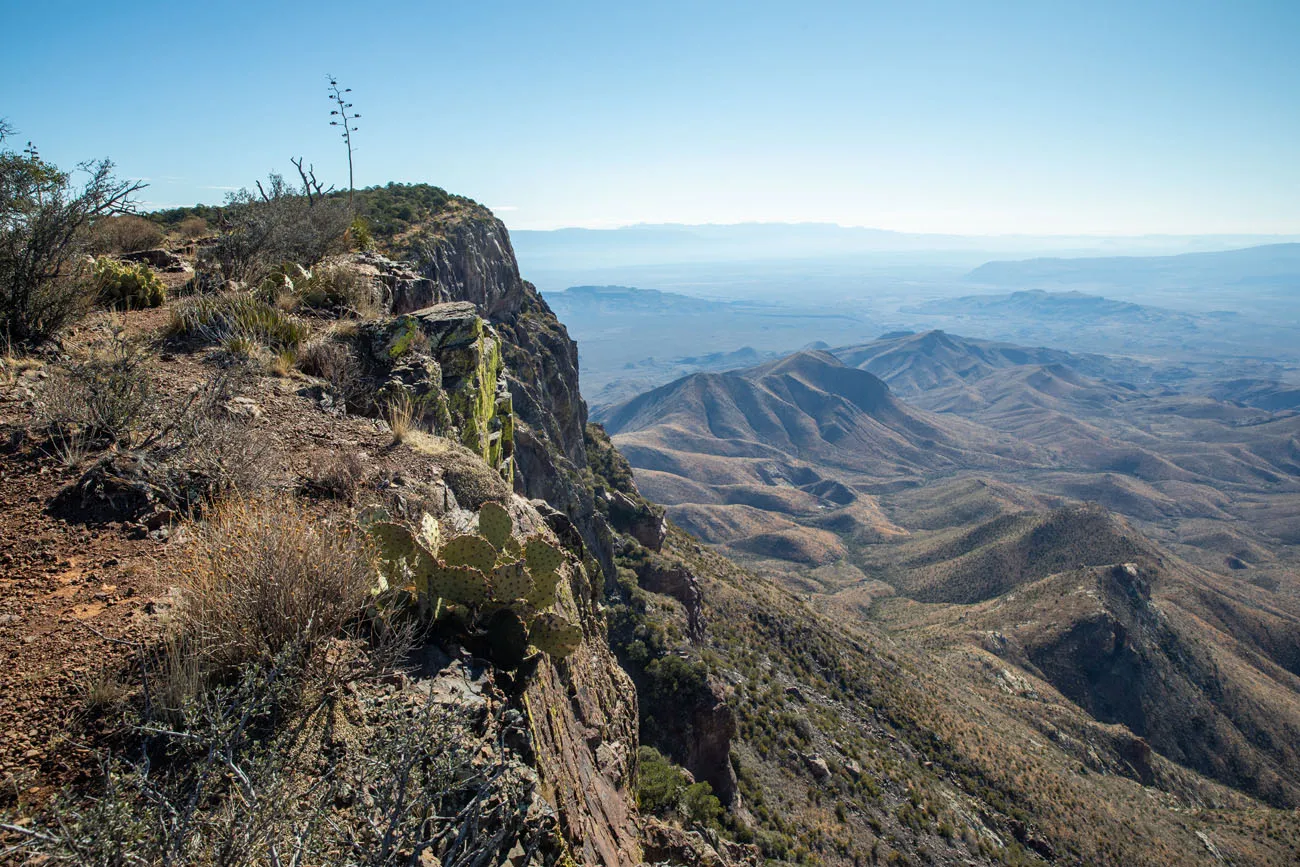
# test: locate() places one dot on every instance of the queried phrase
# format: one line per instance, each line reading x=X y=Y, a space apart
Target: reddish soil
x=76 y=590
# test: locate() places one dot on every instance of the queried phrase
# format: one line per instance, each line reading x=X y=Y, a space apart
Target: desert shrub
x=125 y=233
x=234 y=780
x=266 y=576
x=222 y=450
x=335 y=363
x=282 y=224
x=359 y=232
x=127 y=285
x=237 y=316
x=104 y=397
x=399 y=412
x=609 y=466
x=339 y=289
x=664 y=789
x=192 y=227
x=43 y=233
x=338 y=476
x=395 y=209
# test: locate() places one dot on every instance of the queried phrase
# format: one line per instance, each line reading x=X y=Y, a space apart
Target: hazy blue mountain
x=665 y=243
x=1263 y=265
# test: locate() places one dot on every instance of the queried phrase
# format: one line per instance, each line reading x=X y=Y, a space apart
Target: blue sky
x=971 y=117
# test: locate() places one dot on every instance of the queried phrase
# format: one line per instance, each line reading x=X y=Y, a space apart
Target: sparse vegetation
x=399 y=412
x=336 y=288
x=664 y=789
x=267 y=576
x=278 y=224
x=219 y=319
x=104 y=397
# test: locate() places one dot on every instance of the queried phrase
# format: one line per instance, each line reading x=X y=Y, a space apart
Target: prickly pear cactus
x=511 y=581
x=495 y=584
x=494 y=523
x=127 y=285
x=463 y=585
x=551 y=633
x=543 y=594
x=543 y=557
x=472 y=551
x=430 y=532
x=395 y=541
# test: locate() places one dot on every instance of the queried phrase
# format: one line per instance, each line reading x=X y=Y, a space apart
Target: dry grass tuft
x=267 y=576
x=282 y=362
x=399 y=412
x=339 y=476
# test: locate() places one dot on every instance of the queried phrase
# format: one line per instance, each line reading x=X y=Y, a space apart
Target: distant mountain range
x=1018 y=511
x=914 y=363
x=664 y=243
x=1252 y=266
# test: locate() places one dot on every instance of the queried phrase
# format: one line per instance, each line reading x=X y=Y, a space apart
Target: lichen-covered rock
x=447 y=360
x=466 y=256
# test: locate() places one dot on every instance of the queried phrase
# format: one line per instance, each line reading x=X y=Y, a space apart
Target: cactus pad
x=552 y=634
x=372 y=514
x=511 y=550
x=543 y=557
x=473 y=551
x=460 y=584
x=394 y=540
x=430 y=533
x=543 y=595
x=494 y=524
x=511 y=581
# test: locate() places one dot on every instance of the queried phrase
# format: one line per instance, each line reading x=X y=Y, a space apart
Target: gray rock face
x=641 y=521
x=681 y=585
x=468 y=259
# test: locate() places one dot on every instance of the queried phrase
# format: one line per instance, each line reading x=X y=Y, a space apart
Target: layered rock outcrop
x=445 y=361
x=468 y=303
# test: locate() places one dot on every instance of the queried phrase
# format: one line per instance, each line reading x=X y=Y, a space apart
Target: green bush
x=126 y=233
x=664 y=789
x=280 y=223
x=127 y=285
x=340 y=289
x=43 y=236
x=361 y=236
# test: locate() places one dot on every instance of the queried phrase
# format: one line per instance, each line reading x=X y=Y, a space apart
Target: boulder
x=639 y=520
x=159 y=260
x=680 y=584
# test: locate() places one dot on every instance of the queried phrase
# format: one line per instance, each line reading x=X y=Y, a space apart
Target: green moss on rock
x=448 y=361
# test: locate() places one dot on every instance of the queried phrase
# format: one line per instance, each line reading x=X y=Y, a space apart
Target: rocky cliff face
x=584 y=714
x=522 y=411
x=466 y=256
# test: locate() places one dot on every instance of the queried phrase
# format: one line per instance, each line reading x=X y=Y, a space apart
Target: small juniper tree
x=343 y=117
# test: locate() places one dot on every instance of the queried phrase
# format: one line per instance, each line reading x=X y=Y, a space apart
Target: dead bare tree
x=312 y=187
